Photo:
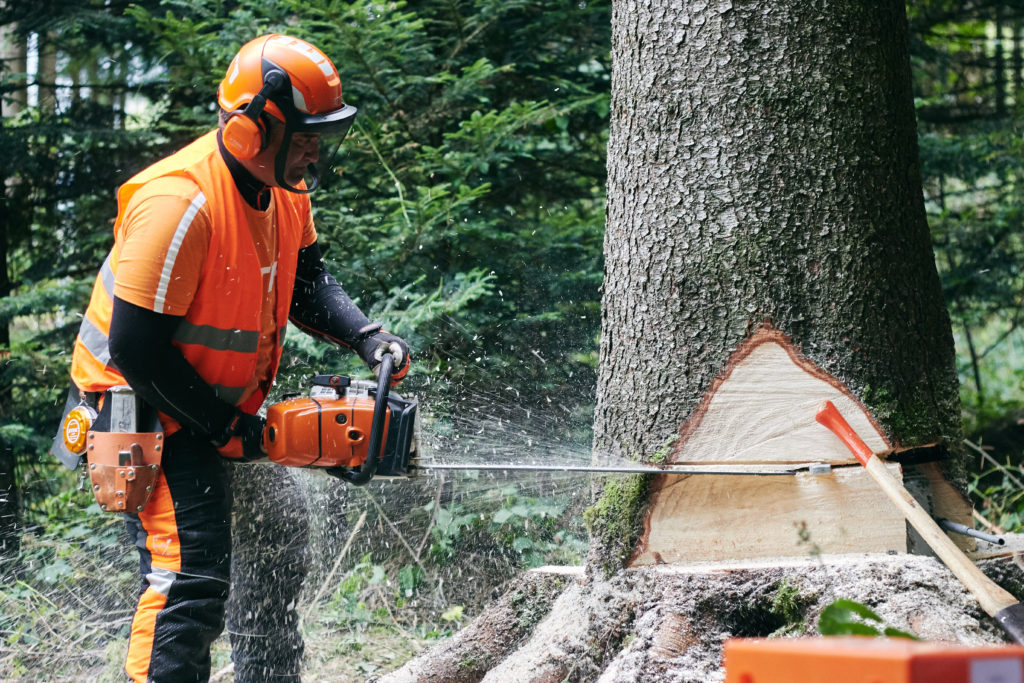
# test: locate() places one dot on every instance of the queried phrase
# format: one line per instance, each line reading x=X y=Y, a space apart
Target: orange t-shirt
x=166 y=230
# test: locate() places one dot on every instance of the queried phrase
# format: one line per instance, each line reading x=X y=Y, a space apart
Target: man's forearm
x=141 y=349
x=321 y=307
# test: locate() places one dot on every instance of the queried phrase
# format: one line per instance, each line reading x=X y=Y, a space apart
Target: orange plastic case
x=860 y=659
x=320 y=432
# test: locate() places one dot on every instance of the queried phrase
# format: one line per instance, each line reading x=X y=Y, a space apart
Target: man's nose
x=311 y=150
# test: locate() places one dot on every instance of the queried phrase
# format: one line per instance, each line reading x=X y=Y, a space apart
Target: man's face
x=303 y=150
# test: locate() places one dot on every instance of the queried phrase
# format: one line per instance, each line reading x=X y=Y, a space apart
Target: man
x=214 y=251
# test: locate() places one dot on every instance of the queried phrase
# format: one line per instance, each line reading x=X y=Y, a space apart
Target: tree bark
x=763 y=166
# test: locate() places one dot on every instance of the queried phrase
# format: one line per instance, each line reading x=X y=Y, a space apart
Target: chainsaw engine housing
x=331 y=428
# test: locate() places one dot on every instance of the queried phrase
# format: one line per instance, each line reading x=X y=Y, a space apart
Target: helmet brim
x=335 y=122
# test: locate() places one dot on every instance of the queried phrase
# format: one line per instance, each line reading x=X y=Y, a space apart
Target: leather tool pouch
x=123 y=468
x=123 y=463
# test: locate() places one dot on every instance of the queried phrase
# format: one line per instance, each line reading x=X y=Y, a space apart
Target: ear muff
x=244 y=135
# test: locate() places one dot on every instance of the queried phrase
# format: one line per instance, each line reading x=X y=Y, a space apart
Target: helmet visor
x=308 y=155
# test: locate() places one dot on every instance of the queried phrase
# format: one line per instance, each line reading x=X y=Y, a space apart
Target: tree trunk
x=763 y=166
x=14 y=54
x=1016 y=63
x=763 y=172
x=46 y=75
x=999 y=65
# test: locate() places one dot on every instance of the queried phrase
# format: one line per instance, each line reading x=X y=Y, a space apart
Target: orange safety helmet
x=294 y=82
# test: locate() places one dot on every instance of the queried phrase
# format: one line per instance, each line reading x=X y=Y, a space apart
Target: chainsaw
x=352 y=429
x=359 y=431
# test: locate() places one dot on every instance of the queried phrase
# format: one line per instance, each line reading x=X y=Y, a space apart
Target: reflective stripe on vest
x=172 y=250
x=107 y=277
x=95 y=341
x=216 y=338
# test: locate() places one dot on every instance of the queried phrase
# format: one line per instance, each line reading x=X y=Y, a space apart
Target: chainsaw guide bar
x=416 y=467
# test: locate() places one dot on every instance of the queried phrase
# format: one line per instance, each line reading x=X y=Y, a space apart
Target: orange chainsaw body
x=320 y=431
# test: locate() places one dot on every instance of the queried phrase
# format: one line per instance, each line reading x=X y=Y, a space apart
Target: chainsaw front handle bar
x=997 y=602
x=363 y=475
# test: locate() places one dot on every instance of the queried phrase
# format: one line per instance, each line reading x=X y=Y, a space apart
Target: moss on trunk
x=616 y=522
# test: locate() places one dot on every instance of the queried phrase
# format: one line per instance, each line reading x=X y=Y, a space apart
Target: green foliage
x=847 y=617
x=454 y=613
x=450 y=525
x=350 y=599
x=468 y=115
x=530 y=531
x=969 y=101
x=409 y=579
x=773 y=614
x=467 y=213
x=998 y=486
x=72 y=585
x=970 y=98
x=788 y=603
x=533 y=528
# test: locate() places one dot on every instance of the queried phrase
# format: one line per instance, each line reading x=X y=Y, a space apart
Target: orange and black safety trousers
x=184 y=540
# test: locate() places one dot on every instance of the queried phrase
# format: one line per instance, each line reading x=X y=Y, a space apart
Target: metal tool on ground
x=342 y=422
x=997 y=602
x=965 y=530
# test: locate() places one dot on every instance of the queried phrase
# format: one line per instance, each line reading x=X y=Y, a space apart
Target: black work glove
x=373 y=344
x=242 y=439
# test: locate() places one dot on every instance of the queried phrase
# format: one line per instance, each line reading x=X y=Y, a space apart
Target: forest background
x=469 y=218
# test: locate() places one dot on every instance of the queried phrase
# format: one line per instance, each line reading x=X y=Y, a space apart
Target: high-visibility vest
x=221 y=330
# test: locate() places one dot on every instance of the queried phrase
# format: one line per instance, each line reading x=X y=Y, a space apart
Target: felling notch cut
x=761 y=411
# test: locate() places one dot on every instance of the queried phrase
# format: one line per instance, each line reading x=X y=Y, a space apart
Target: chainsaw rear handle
x=363 y=475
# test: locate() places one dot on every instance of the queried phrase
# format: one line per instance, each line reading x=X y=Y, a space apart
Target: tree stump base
x=669 y=622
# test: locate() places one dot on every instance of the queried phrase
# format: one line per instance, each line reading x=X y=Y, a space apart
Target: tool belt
x=123 y=462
